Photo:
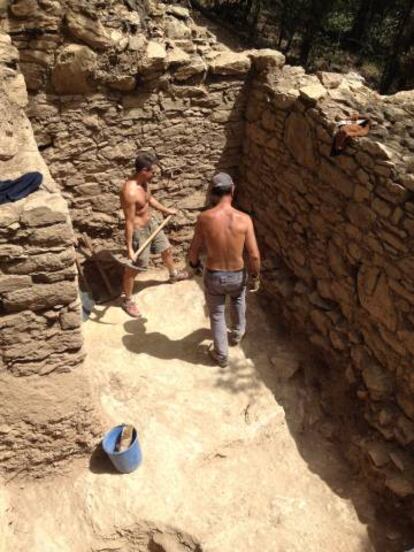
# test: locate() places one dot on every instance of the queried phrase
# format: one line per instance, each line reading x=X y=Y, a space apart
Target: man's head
x=144 y=164
x=223 y=185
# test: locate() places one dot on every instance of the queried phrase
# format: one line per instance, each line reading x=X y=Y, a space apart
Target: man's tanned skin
x=137 y=203
x=225 y=233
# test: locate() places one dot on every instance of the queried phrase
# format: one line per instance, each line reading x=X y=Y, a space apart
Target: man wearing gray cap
x=224 y=232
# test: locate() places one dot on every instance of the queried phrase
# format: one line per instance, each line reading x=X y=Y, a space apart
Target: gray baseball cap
x=222 y=182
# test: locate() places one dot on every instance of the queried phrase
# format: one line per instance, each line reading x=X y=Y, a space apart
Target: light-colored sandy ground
x=221 y=471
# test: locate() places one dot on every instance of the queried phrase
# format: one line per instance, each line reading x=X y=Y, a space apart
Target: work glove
x=254 y=283
x=197 y=269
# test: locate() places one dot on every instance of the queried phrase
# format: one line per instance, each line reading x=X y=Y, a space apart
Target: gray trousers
x=218 y=284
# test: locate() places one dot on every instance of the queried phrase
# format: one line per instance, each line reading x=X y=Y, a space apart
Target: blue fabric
x=13 y=190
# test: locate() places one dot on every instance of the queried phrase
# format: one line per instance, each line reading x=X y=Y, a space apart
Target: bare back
x=225 y=231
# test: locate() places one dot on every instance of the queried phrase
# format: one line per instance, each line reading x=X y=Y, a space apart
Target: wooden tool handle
x=149 y=240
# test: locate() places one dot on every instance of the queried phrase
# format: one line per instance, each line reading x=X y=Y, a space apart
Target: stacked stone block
x=46 y=413
x=38 y=288
x=110 y=81
x=337 y=236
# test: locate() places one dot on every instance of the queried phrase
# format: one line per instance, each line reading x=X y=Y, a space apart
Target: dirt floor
x=232 y=460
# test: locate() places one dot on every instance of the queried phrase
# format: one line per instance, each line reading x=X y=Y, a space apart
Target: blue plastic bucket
x=128 y=460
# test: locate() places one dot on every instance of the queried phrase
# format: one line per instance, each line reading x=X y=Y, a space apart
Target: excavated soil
x=235 y=459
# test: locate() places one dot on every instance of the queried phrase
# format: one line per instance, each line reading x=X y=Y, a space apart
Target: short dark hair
x=144 y=161
x=218 y=192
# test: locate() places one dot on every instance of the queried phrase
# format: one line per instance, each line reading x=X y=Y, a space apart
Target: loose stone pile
x=337 y=234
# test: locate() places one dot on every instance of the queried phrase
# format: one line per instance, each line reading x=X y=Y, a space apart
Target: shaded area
x=321 y=418
x=319 y=414
x=158 y=345
x=100 y=463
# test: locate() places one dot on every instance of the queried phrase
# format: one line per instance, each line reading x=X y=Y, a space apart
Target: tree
x=403 y=41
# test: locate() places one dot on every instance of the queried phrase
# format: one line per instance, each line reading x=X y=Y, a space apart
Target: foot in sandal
x=131 y=308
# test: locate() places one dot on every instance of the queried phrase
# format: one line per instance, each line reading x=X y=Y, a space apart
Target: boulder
x=124 y=83
x=9 y=212
x=330 y=80
x=231 y=63
x=137 y=43
x=24 y=8
x=43 y=208
x=14 y=282
x=267 y=59
x=177 y=56
x=74 y=65
x=195 y=66
x=177 y=29
x=155 y=58
x=41 y=296
x=313 y=92
x=88 y=30
x=178 y=11
x=285 y=98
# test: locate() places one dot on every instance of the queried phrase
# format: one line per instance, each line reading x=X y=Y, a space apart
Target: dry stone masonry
x=106 y=86
x=337 y=235
x=42 y=419
x=107 y=79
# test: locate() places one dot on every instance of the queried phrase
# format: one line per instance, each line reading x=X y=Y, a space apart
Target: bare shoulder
x=130 y=192
x=242 y=217
x=203 y=217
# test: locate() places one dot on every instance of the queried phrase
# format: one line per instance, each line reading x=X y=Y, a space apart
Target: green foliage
x=375 y=37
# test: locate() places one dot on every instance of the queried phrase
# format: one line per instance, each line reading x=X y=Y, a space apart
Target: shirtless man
x=225 y=233
x=136 y=202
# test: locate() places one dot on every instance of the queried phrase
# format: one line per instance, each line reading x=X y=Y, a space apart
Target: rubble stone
x=73 y=69
x=32 y=342
x=88 y=30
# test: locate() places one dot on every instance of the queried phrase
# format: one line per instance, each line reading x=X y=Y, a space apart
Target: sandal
x=131 y=308
x=178 y=276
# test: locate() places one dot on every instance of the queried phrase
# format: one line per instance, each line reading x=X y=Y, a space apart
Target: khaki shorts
x=159 y=244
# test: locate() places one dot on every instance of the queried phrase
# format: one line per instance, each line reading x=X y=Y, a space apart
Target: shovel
x=119 y=258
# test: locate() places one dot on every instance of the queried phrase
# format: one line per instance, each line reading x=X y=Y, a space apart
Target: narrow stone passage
x=222 y=471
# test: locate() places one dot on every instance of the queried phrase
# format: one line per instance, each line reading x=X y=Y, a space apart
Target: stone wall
x=104 y=87
x=337 y=234
x=44 y=416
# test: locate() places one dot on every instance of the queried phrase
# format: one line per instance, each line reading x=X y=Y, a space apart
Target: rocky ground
x=239 y=458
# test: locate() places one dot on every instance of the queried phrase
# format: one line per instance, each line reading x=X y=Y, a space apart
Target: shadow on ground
x=305 y=396
x=99 y=462
x=155 y=344
x=302 y=386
